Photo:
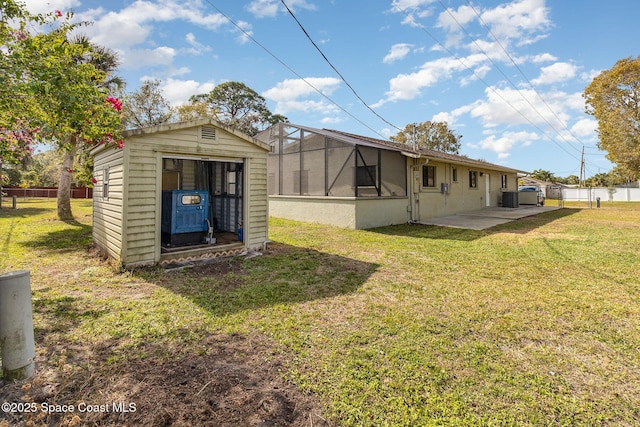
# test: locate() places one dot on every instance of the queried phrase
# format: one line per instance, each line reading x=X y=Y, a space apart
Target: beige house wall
x=432 y=202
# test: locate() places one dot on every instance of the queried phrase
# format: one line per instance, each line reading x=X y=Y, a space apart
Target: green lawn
x=535 y=322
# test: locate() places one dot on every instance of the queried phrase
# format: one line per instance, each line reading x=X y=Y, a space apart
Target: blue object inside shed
x=184 y=217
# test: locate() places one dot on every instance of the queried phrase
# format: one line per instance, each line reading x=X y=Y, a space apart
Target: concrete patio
x=488 y=217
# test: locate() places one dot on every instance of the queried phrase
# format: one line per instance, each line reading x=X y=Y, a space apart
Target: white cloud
x=452 y=20
x=125 y=30
x=331 y=120
x=178 y=92
x=412 y=9
x=140 y=58
x=506 y=106
x=544 y=57
x=558 y=72
x=503 y=144
x=287 y=95
x=397 y=52
x=197 y=48
x=519 y=20
x=590 y=75
x=408 y=86
x=264 y=8
x=585 y=127
x=270 y=8
x=40 y=6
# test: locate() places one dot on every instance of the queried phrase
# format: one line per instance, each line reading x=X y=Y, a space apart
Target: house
x=332 y=177
x=175 y=189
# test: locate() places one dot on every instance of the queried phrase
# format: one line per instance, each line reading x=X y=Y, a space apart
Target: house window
x=473 y=179
x=366 y=176
x=454 y=174
x=428 y=176
x=105 y=184
x=504 y=181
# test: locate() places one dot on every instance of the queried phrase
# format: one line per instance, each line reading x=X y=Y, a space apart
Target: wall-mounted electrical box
x=444 y=187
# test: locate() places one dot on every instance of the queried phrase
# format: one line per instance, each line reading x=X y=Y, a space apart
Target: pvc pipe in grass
x=16 y=326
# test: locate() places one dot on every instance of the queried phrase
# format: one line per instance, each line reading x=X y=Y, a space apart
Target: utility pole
x=582 y=171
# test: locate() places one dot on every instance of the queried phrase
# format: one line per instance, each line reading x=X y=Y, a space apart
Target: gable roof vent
x=208 y=132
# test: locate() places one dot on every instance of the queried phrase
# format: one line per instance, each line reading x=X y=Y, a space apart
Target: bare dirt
x=238 y=382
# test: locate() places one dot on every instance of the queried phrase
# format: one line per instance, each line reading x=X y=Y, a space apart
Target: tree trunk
x=66 y=178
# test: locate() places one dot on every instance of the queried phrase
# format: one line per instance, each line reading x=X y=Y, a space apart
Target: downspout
x=414 y=185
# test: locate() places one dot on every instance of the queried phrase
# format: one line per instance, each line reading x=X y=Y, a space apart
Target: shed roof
x=168 y=127
x=407 y=150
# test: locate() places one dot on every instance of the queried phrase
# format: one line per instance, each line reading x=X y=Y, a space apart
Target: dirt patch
x=239 y=381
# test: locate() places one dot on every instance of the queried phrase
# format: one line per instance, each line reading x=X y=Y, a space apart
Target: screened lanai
x=313 y=162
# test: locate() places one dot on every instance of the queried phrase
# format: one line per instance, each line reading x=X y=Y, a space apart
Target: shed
x=175 y=189
x=333 y=177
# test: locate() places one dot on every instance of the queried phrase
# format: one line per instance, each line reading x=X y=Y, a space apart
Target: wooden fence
x=76 y=192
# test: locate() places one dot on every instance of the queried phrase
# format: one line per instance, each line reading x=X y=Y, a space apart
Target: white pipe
x=16 y=326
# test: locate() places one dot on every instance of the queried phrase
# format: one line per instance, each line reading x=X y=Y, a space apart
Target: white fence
x=605 y=194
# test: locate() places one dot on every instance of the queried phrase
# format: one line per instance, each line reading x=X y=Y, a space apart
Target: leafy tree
x=52 y=89
x=43 y=169
x=599 y=180
x=613 y=98
x=238 y=106
x=146 y=107
x=572 y=180
x=543 y=175
x=430 y=135
x=91 y=75
x=195 y=110
x=11 y=174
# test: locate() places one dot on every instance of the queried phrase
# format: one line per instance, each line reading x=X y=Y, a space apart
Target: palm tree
x=105 y=61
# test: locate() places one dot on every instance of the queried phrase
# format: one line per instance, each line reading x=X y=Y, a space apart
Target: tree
x=146 y=107
x=572 y=180
x=613 y=98
x=430 y=135
x=238 y=106
x=93 y=88
x=543 y=175
x=195 y=110
x=52 y=89
x=600 y=180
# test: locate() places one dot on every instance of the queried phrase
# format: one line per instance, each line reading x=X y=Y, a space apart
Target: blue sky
x=506 y=75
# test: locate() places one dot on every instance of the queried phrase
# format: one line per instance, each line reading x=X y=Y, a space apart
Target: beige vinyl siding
x=257 y=201
x=144 y=184
x=108 y=214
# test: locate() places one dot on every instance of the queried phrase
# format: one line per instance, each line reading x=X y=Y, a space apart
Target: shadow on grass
x=6 y=212
x=60 y=314
x=282 y=275
x=78 y=236
x=518 y=226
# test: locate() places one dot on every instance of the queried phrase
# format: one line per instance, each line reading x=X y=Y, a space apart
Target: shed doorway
x=213 y=191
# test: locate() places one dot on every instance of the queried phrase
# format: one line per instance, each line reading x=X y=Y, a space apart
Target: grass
x=535 y=322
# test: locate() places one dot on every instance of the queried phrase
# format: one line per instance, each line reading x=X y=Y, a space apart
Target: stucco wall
x=347 y=212
x=431 y=202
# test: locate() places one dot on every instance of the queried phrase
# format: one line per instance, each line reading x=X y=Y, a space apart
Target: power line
x=448 y=10
x=335 y=69
x=422 y=27
x=522 y=74
x=250 y=37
